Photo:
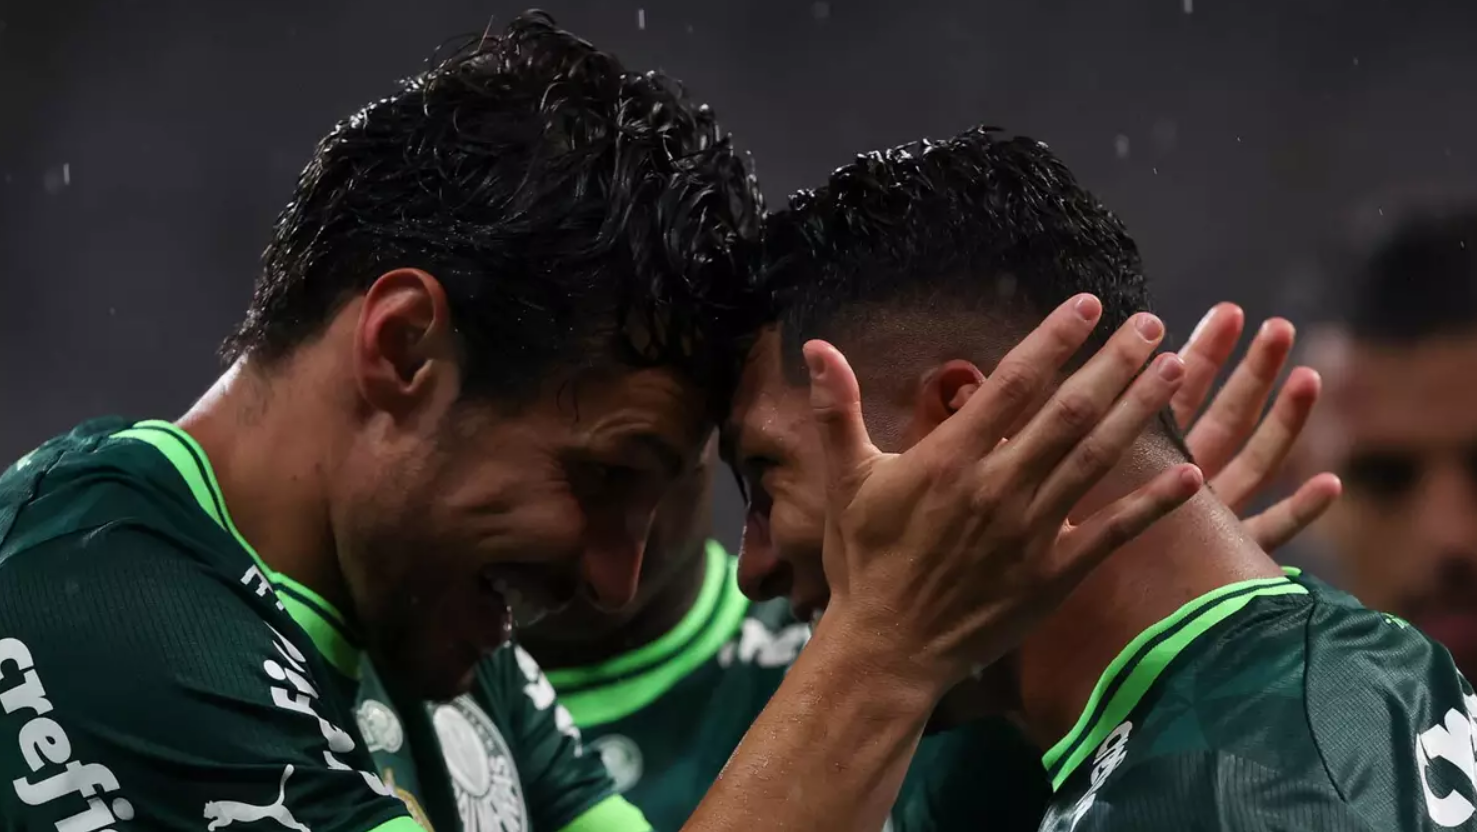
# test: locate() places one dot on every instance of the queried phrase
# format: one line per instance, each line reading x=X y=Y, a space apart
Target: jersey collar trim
x=617 y=688
x=1130 y=675
x=325 y=626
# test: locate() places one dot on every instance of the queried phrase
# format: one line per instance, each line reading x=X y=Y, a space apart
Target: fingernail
x=1171 y=367
x=1191 y=477
x=814 y=363
x=1088 y=308
x=1149 y=326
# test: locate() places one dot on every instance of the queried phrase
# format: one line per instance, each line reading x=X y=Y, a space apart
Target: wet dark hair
x=576 y=214
x=1420 y=281
x=980 y=236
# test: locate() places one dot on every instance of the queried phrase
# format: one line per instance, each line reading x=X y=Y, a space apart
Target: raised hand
x=1239 y=450
x=948 y=553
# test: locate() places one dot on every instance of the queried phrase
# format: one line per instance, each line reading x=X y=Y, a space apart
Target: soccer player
x=665 y=687
x=1188 y=683
x=1400 y=425
x=489 y=334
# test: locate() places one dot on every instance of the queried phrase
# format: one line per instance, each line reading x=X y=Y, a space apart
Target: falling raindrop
x=1155 y=170
x=1356 y=62
x=641 y=19
x=1380 y=211
x=1120 y=146
x=820 y=10
x=66 y=173
x=55 y=179
x=1189 y=6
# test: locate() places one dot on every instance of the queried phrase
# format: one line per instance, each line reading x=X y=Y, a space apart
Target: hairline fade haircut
x=579 y=216
x=1419 y=282
x=980 y=235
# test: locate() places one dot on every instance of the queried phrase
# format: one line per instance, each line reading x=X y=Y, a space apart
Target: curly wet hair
x=577 y=215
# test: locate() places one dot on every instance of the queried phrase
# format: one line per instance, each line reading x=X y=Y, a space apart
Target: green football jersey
x=666 y=717
x=156 y=674
x=1273 y=705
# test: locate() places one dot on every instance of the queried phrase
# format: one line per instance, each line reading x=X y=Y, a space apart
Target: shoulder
x=1202 y=789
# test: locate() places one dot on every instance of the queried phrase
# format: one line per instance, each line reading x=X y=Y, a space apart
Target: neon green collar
x=325 y=625
x=1136 y=668
x=620 y=686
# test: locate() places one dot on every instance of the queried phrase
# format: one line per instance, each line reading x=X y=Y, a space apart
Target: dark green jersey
x=156 y=674
x=666 y=717
x=1275 y=705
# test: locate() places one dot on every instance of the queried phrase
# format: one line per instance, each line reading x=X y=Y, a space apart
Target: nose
x=611 y=566
x=762 y=575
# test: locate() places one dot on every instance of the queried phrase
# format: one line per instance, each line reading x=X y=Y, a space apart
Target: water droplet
x=1155 y=170
x=1356 y=62
x=1380 y=211
x=1120 y=146
x=1238 y=140
x=820 y=10
x=66 y=173
x=1189 y=6
x=641 y=19
x=689 y=28
x=55 y=179
x=1464 y=244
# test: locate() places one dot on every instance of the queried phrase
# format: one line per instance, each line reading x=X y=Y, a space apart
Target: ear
x=945 y=389
x=404 y=349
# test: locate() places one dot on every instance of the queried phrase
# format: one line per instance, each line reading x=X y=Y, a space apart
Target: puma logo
x=226 y=812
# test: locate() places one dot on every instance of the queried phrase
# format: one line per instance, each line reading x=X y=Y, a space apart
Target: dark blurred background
x=145 y=147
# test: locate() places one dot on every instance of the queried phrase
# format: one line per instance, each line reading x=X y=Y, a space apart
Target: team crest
x=622 y=758
x=380 y=726
x=489 y=795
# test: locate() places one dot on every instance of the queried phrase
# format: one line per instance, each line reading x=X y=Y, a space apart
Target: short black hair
x=987 y=221
x=576 y=213
x=981 y=235
x=1420 y=281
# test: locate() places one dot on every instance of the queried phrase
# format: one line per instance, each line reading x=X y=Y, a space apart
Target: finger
x=1256 y=465
x=1283 y=521
x=1081 y=402
x=1017 y=382
x=836 y=402
x=1081 y=548
x=1209 y=348
x=1100 y=450
x=1233 y=414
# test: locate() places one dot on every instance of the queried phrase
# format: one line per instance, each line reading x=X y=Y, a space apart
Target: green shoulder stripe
x=1130 y=675
x=323 y=624
x=401 y=824
x=613 y=814
x=624 y=685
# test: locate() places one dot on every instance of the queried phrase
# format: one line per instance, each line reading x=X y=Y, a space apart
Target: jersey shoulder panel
x=1203 y=791
x=1393 y=720
x=137 y=685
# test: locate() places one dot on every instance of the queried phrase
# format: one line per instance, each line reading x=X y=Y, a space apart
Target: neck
x=270 y=465
x=562 y=642
x=1198 y=548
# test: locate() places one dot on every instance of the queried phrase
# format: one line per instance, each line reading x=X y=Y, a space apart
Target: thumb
x=836 y=401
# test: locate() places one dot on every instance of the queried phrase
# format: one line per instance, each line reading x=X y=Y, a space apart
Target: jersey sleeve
x=141 y=689
x=566 y=789
x=1206 y=791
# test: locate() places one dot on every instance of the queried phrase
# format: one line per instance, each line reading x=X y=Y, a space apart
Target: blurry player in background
x=666 y=687
x=1188 y=683
x=1400 y=425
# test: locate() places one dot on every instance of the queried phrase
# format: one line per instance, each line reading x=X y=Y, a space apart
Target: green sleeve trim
x=404 y=823
x=621 y=698
x=1138 y=666
x=670 y=644
x=613 y=814
x=324 y=625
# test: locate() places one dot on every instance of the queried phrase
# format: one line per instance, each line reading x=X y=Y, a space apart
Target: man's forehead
x=1426 y=392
